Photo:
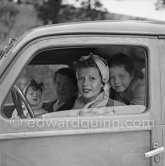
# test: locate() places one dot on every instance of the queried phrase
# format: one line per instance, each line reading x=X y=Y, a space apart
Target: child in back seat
x=126 y=85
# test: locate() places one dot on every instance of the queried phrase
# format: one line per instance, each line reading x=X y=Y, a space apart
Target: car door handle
x=154 y=152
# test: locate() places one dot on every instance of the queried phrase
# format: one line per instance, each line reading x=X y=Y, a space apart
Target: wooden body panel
x=115 y=149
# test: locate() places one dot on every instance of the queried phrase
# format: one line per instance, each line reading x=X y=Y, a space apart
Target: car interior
x=54 y=58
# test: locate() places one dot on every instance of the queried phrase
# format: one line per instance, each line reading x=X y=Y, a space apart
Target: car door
x=120 y=138
x=162 y=60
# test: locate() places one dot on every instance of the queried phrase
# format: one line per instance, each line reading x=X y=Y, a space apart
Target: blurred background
x=18 y=16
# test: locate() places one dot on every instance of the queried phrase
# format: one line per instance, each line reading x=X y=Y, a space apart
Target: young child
x=34 y=95
x=126 y=86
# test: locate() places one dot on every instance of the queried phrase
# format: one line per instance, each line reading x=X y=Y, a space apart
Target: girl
x=126 y=86
x=33 y=94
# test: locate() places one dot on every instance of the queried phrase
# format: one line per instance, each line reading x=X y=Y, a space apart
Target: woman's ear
x=132 y=76
x=102 y=86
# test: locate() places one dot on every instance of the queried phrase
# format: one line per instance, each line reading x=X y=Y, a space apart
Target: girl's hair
x=122 y=59
x=66 y=72
x=35 y=86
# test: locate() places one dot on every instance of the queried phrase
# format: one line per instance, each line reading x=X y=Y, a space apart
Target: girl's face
x=33 y=96
x=89 y=82
x=119 y=78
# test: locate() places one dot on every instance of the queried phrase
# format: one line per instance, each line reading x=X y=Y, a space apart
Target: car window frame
x=79 y=40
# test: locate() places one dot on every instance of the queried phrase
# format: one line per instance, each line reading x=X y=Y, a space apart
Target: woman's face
x=33 y=96
x=89 y=82
x=65 y=87
x=119 y=78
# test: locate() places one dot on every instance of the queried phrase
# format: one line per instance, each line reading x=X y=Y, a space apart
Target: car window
x=126 y=87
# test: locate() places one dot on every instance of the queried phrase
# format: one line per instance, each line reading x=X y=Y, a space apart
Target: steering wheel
x=18 y=97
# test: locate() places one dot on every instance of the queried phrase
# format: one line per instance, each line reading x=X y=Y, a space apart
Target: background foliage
x=54 y=11
x=8 y=12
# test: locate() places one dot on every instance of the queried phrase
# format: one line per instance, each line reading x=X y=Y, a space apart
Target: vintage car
x=128 y=135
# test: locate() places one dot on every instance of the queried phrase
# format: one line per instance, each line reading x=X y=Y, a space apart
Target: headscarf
x=102 y=98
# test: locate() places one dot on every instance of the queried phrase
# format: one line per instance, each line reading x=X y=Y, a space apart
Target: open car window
x=45 y=63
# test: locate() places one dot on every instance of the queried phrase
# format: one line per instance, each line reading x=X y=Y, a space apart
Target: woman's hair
x=85 y=63
x=34 y=85
x=96 y=61
x=122 y=59
x=66 y=72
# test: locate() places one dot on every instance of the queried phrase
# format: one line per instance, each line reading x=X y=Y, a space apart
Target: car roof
x=130 y=27
x=106 y=26
x=127 y=27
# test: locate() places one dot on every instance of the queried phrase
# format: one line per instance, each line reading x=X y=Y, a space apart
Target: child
x=126 y=86
x=33 y=94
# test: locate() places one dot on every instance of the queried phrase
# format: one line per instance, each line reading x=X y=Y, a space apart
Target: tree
x=48 y=11
x=8 y=12
x=93 y=9
x=163 y=2
x=53 y=11
x=160 y=4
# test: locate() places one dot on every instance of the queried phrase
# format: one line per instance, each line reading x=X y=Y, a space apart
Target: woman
x=66 y=88
x=93 y=83
x=126 y=86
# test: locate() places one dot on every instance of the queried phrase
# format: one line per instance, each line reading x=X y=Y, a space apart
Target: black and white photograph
x=82 y=82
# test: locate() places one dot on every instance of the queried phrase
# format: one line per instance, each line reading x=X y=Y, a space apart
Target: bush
x=8 y=12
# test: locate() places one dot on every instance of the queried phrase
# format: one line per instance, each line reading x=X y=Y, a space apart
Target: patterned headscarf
x=102 y=98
